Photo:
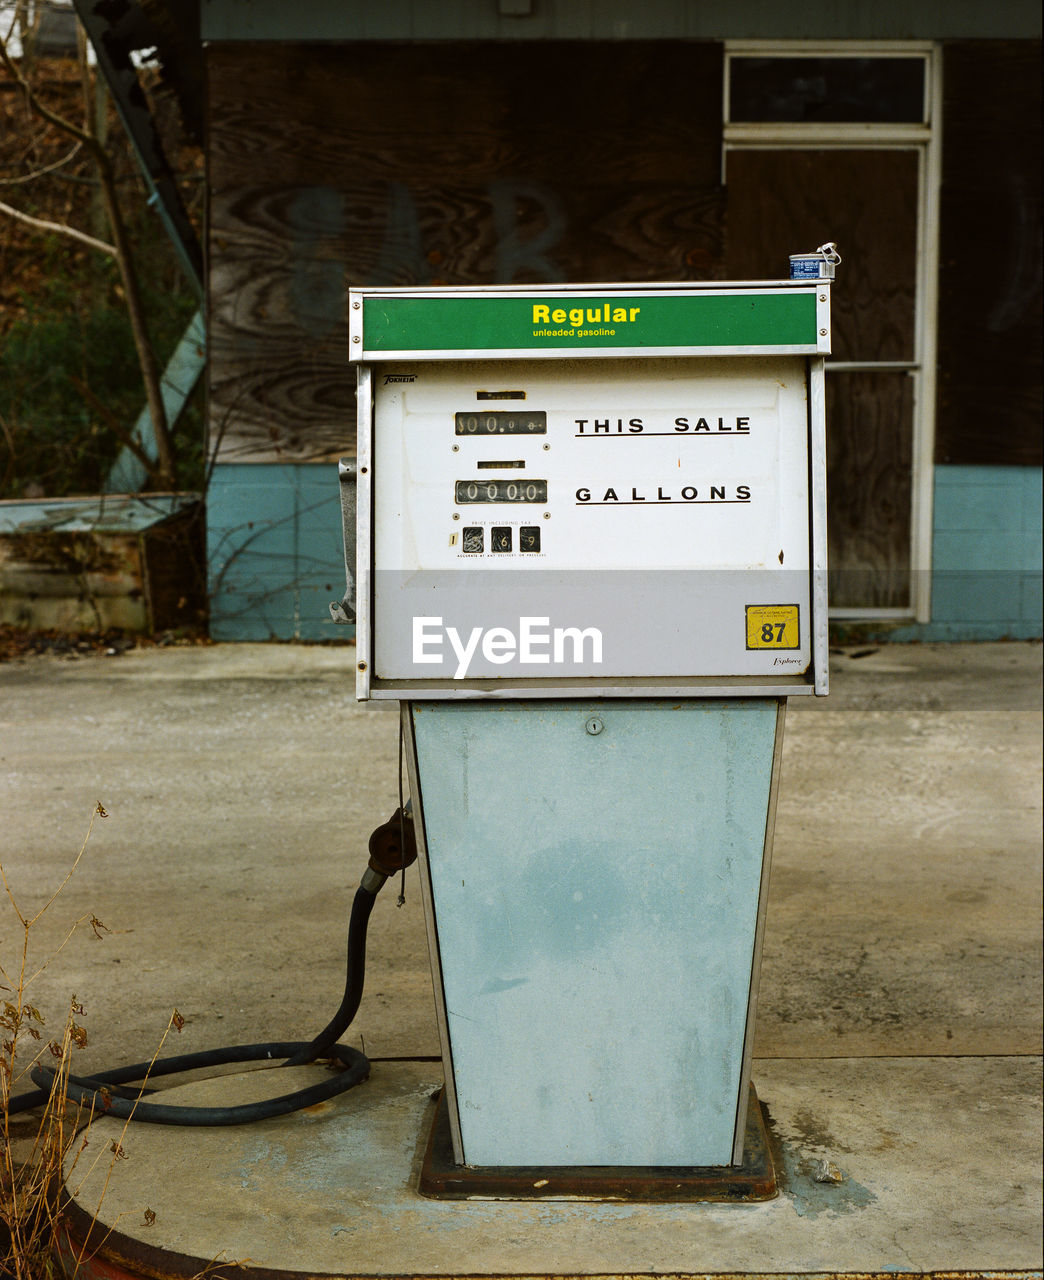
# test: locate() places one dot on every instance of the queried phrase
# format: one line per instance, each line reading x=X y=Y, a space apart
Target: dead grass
x=44 y=1150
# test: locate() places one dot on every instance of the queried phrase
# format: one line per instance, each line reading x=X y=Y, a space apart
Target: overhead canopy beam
x=620 y=20
x=115 y=29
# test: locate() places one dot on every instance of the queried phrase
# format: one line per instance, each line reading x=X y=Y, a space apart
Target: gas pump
x=591 y=568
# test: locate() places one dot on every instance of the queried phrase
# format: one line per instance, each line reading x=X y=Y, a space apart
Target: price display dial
x=501 y=422
x=500 y=491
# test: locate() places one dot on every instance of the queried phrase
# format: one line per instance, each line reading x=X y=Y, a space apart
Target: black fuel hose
x=353 y=986
x=103 y=1094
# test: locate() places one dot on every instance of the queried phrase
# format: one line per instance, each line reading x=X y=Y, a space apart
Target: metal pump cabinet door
x=595 y=870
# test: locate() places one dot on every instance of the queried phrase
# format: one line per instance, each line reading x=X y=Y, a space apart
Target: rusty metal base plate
x=753 y=1180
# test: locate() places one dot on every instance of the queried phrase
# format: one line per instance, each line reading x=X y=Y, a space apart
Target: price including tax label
x=773 y=626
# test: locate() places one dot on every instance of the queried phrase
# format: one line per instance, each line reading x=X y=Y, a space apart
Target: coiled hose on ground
x=392 y=848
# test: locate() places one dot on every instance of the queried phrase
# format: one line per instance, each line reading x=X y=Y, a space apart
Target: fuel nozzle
x=393 y=846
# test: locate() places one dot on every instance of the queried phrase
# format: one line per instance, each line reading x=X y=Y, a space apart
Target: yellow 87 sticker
x=773 y=626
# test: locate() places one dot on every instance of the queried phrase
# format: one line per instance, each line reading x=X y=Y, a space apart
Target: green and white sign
x=679 y=320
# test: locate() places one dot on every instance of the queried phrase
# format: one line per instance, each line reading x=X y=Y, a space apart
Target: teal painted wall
x=274 y=552
x=276 y=561
x=986 y=556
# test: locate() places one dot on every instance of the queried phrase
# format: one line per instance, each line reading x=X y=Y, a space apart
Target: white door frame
x=925 y=138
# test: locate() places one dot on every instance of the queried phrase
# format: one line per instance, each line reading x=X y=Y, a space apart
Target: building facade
x=534 y=141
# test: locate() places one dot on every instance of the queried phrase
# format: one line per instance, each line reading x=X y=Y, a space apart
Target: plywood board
x=455 y=164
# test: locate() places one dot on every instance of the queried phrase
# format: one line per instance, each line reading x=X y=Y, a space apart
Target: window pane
x=869 y=463
x=789 y=201
x=829 y=90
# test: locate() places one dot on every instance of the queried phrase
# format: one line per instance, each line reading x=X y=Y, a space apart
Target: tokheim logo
x=399 y=377
x=535 y=642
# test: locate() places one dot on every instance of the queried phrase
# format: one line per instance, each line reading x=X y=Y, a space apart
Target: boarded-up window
x=787 y=201
x=990 y=267
x=434 y=164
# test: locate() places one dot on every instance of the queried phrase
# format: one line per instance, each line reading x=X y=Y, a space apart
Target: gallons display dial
x=500 y=491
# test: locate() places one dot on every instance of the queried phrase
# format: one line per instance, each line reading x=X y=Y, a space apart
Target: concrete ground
x=899 y=1025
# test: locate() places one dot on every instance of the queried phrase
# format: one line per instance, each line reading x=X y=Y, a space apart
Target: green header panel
x=577 y=322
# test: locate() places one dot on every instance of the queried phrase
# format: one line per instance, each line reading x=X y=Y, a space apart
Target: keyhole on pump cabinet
x=594 y=725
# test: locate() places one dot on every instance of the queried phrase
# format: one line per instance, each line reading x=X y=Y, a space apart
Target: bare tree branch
x=125 y=437
x=60 y=228
x=12 y=453
x=139 y=327
x=124 y=257
x=39 y=173
x=38 y=108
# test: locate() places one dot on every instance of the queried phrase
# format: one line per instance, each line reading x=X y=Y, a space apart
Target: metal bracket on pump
x=591 y=566
x=343 y=610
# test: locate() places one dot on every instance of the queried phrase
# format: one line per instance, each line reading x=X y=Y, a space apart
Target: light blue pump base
x=594 y=874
